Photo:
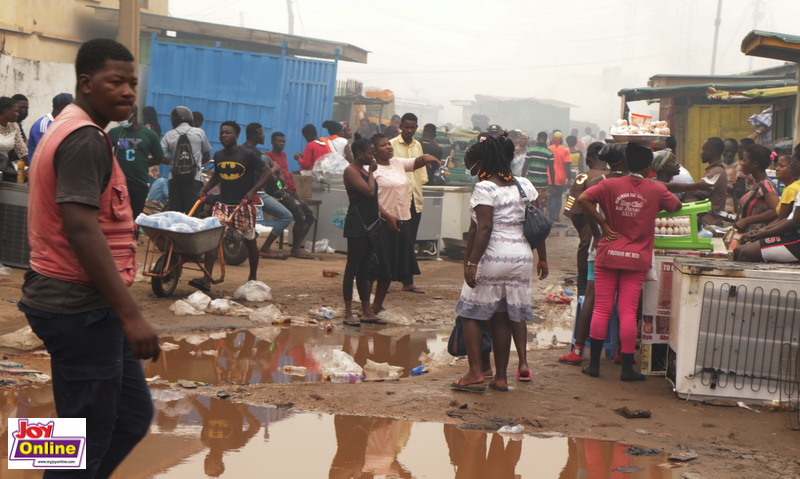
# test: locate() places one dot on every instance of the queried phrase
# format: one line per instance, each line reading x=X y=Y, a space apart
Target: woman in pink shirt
x=624 y=254
x=396 y=258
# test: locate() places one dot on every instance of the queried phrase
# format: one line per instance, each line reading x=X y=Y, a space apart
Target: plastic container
x=418 y=370
x=20 y=172
x=282 y=321
x=295 y=370
x=330 y=273
x=325 y=312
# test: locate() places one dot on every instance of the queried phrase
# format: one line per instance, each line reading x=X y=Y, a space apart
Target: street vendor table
x=14 y=250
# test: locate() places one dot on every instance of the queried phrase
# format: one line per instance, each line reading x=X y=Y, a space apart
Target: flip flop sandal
x=498 y=388
x=272 y=255
x=354 y=324
x=525 y=379
x=198 y=284
x=415 y=290
x=302 y=256
x=468 y=388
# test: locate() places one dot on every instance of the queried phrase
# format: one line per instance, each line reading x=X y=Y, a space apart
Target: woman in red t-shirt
x=624 y=254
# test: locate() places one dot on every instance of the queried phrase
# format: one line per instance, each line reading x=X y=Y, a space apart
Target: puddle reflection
x=259 y=355
x=194 y=436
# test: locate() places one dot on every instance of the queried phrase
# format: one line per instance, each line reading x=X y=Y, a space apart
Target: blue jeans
x=554 y=202
x=274 y=208
x=95 y=377
x=159 y=191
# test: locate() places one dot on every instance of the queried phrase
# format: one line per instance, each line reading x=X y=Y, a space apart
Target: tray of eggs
x=669 y=227
x=622 y=131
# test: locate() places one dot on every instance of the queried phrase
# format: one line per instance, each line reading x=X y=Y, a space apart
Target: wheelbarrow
x=167 y=253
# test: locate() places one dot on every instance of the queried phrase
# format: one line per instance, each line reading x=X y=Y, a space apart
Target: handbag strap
x=522 y=192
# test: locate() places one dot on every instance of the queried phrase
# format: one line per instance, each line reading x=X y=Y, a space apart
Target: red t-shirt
x=314 y=149
x=280 y=159
x=630 y=205
x=561 y=161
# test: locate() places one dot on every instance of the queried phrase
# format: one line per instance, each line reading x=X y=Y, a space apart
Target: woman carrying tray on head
x=624 y=254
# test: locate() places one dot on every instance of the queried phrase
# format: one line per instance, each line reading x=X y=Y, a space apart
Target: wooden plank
x=797 y=112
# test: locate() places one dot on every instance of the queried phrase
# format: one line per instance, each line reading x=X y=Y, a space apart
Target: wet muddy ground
x=301 y=426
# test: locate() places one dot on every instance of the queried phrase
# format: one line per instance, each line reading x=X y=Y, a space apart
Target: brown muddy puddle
x=194 y=436
x=254 y=356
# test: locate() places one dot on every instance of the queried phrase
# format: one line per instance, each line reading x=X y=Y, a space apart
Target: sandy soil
x=730 y=441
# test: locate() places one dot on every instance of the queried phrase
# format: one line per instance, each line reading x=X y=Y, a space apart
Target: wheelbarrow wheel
x=233 y=248
x=164 y=286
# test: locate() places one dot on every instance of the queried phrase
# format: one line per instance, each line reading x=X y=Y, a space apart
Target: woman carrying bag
x=498 y=266
x=361 y=227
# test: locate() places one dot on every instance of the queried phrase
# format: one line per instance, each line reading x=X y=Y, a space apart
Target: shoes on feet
x=571 y=358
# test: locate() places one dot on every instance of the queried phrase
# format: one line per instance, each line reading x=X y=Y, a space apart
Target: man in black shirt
x=429 y=147
x=240 y=173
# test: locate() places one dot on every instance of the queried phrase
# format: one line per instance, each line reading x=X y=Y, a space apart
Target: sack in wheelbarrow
x=188 y=235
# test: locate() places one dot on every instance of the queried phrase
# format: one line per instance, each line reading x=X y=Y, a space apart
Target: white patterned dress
x=503 y=280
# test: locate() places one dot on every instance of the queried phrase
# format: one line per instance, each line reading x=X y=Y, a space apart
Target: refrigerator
x=735 y=330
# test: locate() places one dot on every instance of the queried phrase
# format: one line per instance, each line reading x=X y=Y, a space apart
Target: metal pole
x=716 y=36
x=129 y=26
x=797 y=113
x=291 y=16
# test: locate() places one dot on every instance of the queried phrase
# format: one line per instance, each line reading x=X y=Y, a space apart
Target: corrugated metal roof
x=650 y=93
x=544 y=101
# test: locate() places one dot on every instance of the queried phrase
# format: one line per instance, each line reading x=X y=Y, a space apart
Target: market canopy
x=752 y=94
x=778 y=46
x=652 y=93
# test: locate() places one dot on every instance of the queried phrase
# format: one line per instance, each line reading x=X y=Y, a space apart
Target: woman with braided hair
x=498 y=264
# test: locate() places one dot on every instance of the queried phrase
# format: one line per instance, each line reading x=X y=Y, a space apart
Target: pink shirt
x=630 y=205
x=393 y=187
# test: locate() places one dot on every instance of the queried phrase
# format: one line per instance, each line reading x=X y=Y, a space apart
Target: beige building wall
x=50 y=30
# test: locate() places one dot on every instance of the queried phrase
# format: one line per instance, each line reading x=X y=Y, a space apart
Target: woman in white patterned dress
x=498 y=266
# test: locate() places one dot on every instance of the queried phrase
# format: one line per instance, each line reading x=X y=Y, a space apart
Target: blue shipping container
x=280 y=92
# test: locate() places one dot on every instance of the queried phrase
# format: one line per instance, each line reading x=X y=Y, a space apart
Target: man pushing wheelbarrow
x=240 y=173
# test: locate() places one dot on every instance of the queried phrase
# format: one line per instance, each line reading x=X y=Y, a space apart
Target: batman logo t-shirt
x=237 y=173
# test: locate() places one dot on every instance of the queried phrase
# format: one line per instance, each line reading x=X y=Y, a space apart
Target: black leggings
x=359 y=251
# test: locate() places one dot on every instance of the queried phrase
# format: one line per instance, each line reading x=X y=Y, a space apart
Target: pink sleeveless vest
x=51 y=253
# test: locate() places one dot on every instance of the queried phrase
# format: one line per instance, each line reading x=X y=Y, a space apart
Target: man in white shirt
x=183 y=193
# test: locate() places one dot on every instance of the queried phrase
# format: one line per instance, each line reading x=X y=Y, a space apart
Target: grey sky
x=578 y=51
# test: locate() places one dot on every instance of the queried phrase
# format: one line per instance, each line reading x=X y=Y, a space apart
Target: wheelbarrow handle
x=233 y=213
x=197 y=205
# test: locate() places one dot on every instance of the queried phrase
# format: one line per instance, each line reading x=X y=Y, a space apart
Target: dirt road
x=730 y=441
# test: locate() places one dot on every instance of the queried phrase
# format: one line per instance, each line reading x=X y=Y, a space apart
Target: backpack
x=184 y=167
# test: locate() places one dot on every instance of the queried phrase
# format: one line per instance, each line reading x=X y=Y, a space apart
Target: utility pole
x=291 y=16
x=717 y=22
x=129 y=26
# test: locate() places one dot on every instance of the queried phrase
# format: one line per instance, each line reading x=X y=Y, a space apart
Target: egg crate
x=686 y=239
x=678 y=226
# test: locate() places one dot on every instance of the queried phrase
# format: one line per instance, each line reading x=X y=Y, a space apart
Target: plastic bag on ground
x=321 y=246
x=4 y=270
x=226 y=307
x=253 y=291
x=267 y=314
x=199 y=300
x=23 y=339
x=338 y=361
x=182 y=308
x=396 y=316
x=373 y=370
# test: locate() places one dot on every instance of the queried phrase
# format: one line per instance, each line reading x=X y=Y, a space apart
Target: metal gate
x=280 y=92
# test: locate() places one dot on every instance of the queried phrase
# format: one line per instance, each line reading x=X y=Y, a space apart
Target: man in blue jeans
x=271 y=206
x=83 y=258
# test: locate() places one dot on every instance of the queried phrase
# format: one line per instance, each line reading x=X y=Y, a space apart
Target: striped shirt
x=37 y=132
x=538 y=160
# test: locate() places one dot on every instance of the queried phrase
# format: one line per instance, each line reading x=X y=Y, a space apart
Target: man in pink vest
x=83 y=258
